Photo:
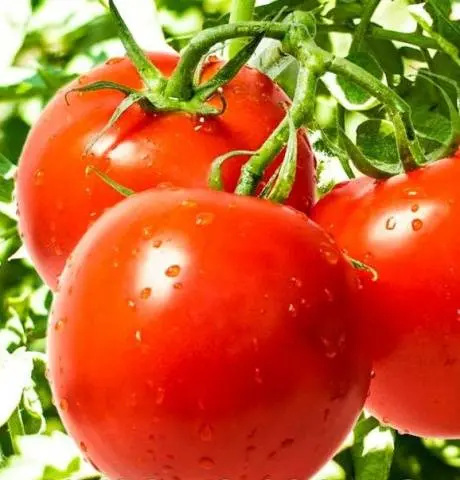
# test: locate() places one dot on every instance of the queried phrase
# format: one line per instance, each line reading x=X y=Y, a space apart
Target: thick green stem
x=363 y=26
x=242 y=11
x=300 y=114
x=181 y=85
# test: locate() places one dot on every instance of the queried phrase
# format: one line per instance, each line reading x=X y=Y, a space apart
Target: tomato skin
x=198 y=334
x=57 y=197
x=407 y=229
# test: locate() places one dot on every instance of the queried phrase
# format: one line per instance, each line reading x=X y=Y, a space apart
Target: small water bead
x=189 y=203
x=178 y=286
x=63 y=404
x=286 y=443
x=173 y=271
x=83 y=447
x=292 y=310
x=39 y=177
x=415 y=208
x=329 y=295
x=138 y=335
x=160 y=395
x=206 y=432
x=298 y=283
x=258 y=376
x=205 y=218
x=145 y=293
x=330 y=254
x=417 y=224
x=390 y=224
x=147 y=232
x=207 y=463
x=157 y=243
x=59 y=325
x=131 y=304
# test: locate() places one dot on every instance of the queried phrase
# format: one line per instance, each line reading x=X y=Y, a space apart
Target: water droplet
x=417 y=224
x=411 y=193
x=296 y=282
x=59 y=325
x=206 y=432
x=373 y=374
x=390 y=224
x=83 y=447
x=173 y=271
x=329 y=295
x=458 y=314
x=166 y=186
x=385 y=420
x=39 y=177
x=135 y=252
x=288 y=442
x=252 y=434
x=329 y=253
x=82 y=79
x=160 y=395
x=178 y=286
x=131 y=304
x=326 y=414
x=189 y=203
x=414 y=208
x=115 y=264
x=93 y=214
x=145 y=293
x=204 y=219
x=147 y=232
x=251 y=449
x=114 y=60
x=271 y=455
x=157 y=243
x=138 y=335
x=64 y=405
x=330 y=347
x=257 y=376
x=292 y=310
x=207 y=463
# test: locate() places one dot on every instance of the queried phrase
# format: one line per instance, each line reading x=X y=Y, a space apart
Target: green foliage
x=50 y=46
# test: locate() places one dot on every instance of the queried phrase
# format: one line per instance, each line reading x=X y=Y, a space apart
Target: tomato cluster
x=195 y=333
x=200 y=334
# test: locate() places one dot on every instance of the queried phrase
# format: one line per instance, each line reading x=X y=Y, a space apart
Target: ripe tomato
x=57 y=197
x=197 y=334
x=407 y=229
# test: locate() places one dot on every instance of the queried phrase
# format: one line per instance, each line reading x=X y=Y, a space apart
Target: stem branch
x=180 y=84
x=363 y=26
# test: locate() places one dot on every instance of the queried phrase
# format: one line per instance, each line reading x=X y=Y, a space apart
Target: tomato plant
x=405 y=228
x=59 y=198
x=168 y=357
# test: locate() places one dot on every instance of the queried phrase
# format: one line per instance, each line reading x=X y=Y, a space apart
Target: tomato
x=58 y=198
x=407 y=229
x=198 y=334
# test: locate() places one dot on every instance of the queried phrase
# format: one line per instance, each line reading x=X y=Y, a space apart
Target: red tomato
x=201 y=335
x=57 y=197
x=407 y=228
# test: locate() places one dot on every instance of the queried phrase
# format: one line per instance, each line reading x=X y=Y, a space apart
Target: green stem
x=380 y=33
x=301 y=113
x=16 y=429
x=363 y=26
x=242 y=11
x=181 y=85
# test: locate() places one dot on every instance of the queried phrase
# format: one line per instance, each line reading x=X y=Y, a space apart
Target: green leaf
x=372 y=451
x=376 y=139
x=388 y=56
x=350 y=95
